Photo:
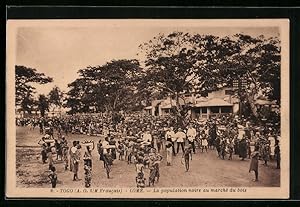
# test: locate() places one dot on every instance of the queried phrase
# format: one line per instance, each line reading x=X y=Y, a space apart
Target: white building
x=217 y=102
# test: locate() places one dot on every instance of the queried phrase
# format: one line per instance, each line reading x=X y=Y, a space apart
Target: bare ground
x=206 y=169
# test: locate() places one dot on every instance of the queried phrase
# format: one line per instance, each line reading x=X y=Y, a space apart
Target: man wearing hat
x=191 y=135
x=170 y=136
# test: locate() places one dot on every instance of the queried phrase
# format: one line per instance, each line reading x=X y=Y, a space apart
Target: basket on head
x=89 y=143
x=48 y=139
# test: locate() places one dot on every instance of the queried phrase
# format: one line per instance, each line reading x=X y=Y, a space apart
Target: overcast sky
x=60 y=51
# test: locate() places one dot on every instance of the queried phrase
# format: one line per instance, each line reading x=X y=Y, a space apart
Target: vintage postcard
x=144 y=108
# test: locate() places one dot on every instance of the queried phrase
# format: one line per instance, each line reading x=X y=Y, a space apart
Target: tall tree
x=55 y=97
x=25 y=76
x=179 y=63
x=254 y=59
x=170 y=68
x=43 y=104
x=28 y=103
x=110 y=87
x=76 y=96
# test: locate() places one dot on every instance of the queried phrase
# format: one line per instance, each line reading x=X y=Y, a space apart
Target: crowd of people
x=88 y=124
x=144 y=141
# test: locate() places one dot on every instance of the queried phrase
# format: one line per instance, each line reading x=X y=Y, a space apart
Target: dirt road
x=206 y=169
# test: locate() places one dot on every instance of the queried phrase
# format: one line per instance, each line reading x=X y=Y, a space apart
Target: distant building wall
x=224 y=95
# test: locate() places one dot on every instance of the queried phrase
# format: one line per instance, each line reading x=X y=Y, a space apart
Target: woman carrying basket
x=87 y=159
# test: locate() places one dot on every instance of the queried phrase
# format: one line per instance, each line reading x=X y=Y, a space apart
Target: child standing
x=108 y=160
x=53 y=176
x=121 y=150
x=204 y=142
x=87 y=174
x=187 y=154
x=169 y=150
x=140 y=180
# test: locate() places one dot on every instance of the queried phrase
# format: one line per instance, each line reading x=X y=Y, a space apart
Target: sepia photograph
x=141 y=108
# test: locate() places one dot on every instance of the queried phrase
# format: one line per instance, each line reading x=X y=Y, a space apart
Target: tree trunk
x=115 y=101
x=179 y=110
x=250 y=98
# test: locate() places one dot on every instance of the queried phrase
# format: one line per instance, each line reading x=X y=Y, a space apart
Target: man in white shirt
x=241 y=131
x=180 y=137
x=191 y=135
x=147 y=137
x=170 y=136
x=105 y=145
x=272 y=142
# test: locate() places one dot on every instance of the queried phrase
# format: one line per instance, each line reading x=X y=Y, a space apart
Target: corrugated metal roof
x=213 y=102
x=264 y=102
